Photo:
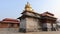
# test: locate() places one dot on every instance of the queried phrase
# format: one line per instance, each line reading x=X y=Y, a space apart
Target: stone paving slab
x=14 y=31
x=51 y=32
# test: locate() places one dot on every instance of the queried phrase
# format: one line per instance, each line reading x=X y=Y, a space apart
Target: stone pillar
x=54 y=26
x=49 y=26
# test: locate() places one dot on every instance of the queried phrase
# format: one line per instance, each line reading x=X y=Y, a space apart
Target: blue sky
x=13 y=8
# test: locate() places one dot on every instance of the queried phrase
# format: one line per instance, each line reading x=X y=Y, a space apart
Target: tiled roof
x=10 y=20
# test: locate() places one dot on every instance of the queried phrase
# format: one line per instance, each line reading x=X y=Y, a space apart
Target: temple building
x=31 y=21
x=9 y=23
x=48 y=22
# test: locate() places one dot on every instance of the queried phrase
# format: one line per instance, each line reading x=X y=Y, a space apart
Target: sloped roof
x=10 y=20
x=47 y=13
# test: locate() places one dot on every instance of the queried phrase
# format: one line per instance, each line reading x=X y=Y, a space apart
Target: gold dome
x=28 y=7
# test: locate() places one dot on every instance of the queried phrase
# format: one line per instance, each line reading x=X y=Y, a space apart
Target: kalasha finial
x=28 y=3
x=28 y=7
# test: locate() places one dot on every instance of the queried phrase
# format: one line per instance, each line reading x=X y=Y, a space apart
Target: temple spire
x=28 y=7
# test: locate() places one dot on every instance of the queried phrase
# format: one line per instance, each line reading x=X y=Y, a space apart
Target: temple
x=31 y=21
x=9 y=23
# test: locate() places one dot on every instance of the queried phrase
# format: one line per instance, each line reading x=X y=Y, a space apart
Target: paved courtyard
x=51 y=32
x=15 y=31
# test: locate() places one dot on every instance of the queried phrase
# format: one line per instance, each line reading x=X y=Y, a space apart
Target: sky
x=14 y=8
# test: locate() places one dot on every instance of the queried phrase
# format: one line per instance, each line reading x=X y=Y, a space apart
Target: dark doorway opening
x=53 y=29
x=44 y=29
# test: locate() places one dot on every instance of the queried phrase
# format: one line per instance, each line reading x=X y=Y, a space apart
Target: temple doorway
x=44 y=27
